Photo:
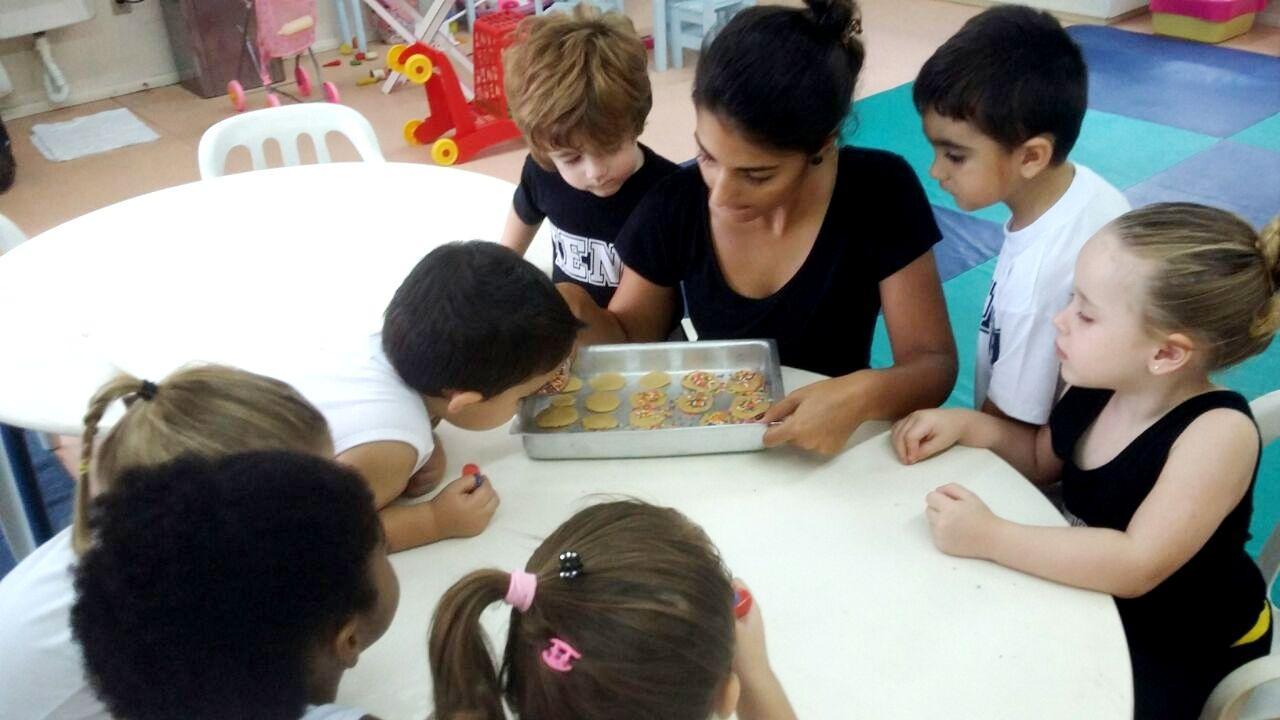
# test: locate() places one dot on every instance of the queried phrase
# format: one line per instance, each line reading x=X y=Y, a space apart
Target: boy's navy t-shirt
x=878 y=222
x=584 y=227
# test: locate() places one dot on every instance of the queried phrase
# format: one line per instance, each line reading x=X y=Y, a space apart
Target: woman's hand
x=819 y=417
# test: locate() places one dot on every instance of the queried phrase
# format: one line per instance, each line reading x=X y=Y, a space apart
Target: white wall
x=1271 y=14
x=1096 y=10
x=112 y=54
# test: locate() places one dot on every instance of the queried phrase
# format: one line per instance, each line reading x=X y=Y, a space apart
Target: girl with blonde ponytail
x=208 y=411
x=624 y=613
x=1157 y=463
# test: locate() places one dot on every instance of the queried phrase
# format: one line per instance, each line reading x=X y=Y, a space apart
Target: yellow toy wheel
x=418 y=69
x=393 y=57
x=444 y=151
x=408 y=131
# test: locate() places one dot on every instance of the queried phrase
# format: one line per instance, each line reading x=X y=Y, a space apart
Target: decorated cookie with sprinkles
x=744 y=382
x=701 y=380
x=717 y=417
x=749 y=407
x=648 y=398
x=694 y=402
x=647 y=418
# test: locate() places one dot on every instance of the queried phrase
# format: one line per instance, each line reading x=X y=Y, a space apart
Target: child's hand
x=464 y=509
x=925 y=433
x=762 y=696
x=960 y=521
x=750 y=658
x=431 y=472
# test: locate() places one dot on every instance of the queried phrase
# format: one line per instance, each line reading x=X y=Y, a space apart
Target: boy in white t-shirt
x=1002 y=103
x=471 y=331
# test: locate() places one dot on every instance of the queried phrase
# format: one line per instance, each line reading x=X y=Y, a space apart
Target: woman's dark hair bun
x=839 y=18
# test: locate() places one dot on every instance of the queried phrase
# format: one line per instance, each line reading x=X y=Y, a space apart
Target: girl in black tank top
x=1157 y=464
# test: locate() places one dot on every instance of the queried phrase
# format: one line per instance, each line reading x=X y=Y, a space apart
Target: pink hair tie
x=560 y=655
x=520 y=591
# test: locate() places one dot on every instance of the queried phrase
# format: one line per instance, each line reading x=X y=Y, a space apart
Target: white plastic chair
x=285 y=124
x=690 y=22
x=1252 y=691
x=11 y=236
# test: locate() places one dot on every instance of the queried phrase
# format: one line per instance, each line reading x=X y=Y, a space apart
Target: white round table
x=865 y=618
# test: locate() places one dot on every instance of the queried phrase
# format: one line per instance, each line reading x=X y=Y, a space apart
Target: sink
x=27 y=17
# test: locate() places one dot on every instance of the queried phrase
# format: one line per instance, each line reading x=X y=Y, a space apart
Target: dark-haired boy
x=472 y=330
x=1002 y=103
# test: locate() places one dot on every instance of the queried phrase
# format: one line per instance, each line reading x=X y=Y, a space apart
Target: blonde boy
x=578 y=87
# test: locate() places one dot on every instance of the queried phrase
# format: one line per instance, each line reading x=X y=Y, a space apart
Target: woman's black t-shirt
x=877 y=223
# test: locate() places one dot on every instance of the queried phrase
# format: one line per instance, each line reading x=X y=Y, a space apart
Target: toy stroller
x=285 y=28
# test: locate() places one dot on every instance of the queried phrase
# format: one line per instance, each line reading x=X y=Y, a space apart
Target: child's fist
x=463 y=508
x=925 y=433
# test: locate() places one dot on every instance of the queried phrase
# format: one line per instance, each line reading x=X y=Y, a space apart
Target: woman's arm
x=640 y=311
x=822 y=416
x=1206 y=474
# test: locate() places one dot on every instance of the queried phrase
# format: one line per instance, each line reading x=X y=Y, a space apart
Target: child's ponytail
x=625 y=612
x=1212 y=276
x=205 y=410
x=1268 y=321
x=465 y=681
x=123 y=386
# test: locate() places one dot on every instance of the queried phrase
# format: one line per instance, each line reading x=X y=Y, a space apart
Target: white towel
x=90 y=134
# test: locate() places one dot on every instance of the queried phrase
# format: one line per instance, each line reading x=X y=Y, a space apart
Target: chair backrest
x=1266 y=410
x=11 y=236
x=285 y=124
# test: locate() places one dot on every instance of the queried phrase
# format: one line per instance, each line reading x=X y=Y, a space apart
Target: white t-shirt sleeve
x=41 y=666
x=365 y=401
x=1017 y=365
x=1024 y=379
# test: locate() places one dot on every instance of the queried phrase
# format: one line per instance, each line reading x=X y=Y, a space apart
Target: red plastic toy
x=476 y=125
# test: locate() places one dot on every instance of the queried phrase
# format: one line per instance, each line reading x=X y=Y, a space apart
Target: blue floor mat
x=57 y=487
x=1230 y=175
x=1183 y=84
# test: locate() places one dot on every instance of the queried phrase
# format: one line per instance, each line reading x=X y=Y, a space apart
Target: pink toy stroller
x=285 y=28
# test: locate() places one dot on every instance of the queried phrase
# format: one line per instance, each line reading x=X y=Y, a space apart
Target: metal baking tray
x=680 y=434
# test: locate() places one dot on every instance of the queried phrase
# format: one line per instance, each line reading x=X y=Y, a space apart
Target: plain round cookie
x=574 y=384
x=600 y=421
x=556 y=417
x=607 y=381
x=654 y=380
x=602 y=402
x=562 y=400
